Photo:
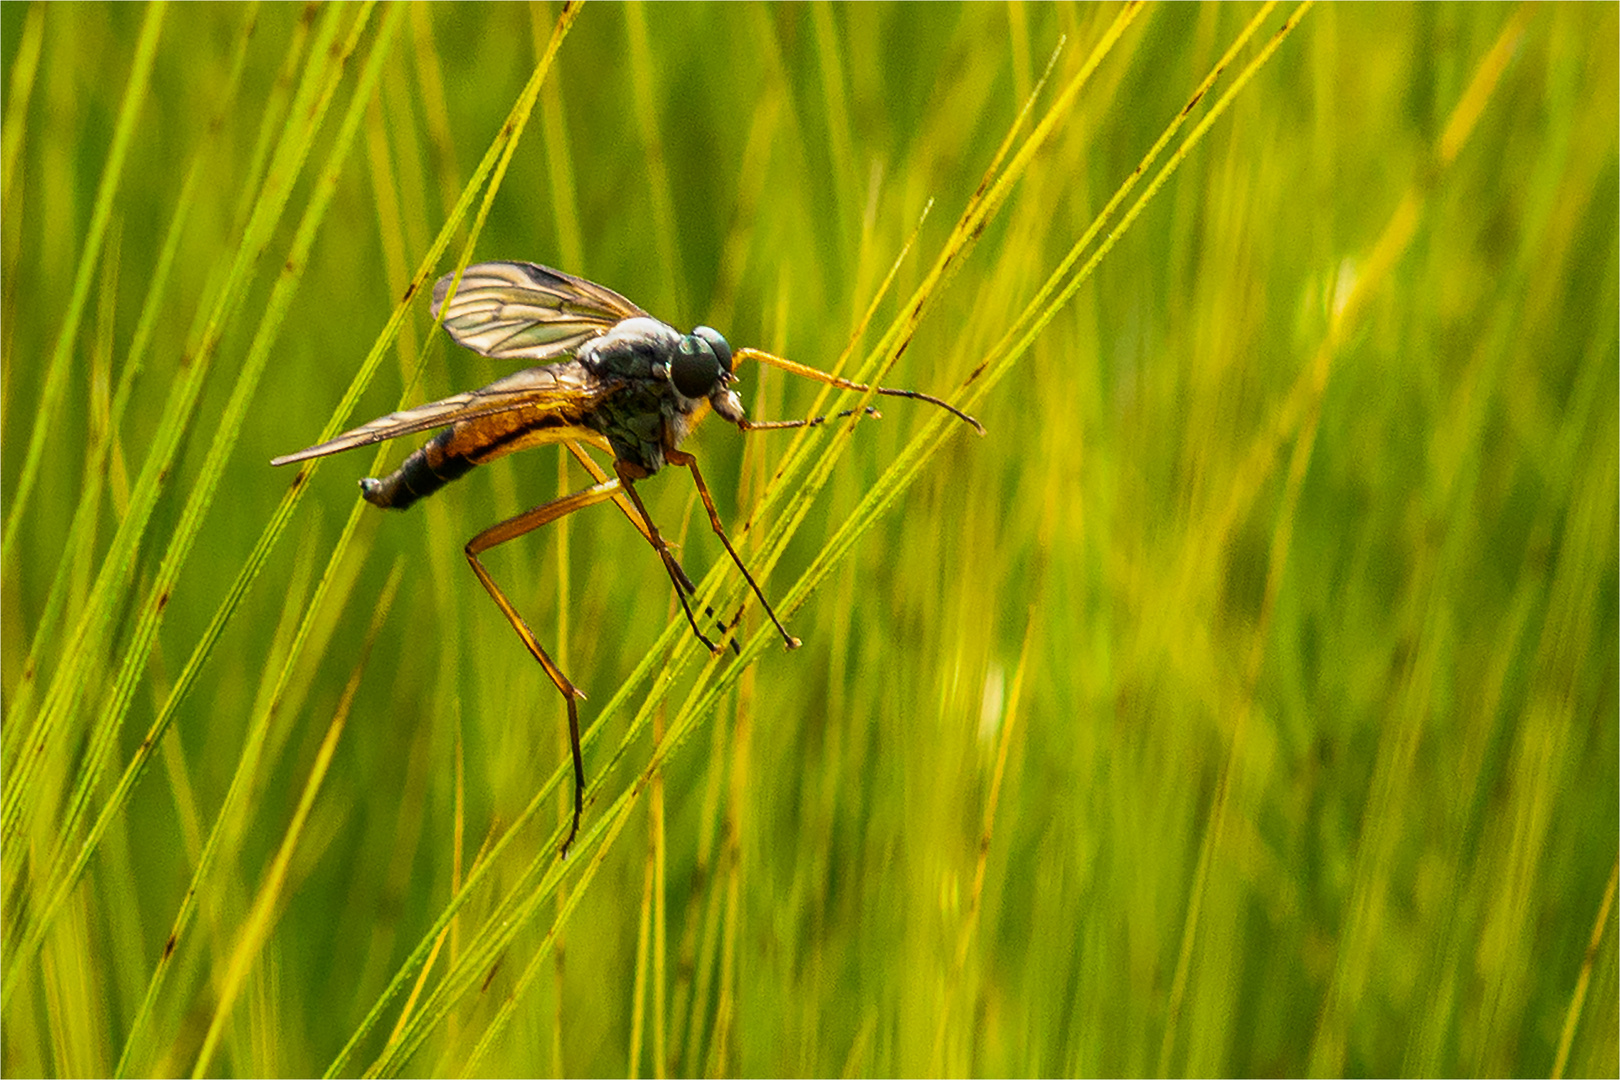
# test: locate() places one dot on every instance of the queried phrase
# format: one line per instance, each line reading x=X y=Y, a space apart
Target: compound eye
x=722 y=350
x=696 y=369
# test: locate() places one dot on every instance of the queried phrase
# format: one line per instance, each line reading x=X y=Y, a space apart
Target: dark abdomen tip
x=372 y=489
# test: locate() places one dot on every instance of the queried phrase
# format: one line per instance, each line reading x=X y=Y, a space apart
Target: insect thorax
x=648 y=413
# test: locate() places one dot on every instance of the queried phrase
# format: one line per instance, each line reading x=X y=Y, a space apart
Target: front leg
x=628 y=475
x=681 y=457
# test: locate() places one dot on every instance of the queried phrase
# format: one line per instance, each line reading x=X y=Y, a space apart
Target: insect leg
x=681 y=457
x=778 y=425
x=511 y=529
x=628 y=475
x=678 y=574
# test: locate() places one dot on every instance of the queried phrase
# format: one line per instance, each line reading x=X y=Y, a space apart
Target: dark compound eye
x=701 y=360
x=722 y=350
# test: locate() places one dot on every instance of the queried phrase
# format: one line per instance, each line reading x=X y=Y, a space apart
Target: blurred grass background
x=1244 y=702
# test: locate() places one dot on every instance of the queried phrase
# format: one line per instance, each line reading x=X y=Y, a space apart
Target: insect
x=610 y=375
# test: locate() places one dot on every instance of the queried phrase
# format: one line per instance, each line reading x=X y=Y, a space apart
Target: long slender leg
x=628 y=509
x=746 y=424
x=511 y=529
x=673 y=565
x=628 y=475
x=681 y=457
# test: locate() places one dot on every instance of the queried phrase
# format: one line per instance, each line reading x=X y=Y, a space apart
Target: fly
x=609 y=374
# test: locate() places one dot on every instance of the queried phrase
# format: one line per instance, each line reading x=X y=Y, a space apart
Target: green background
x=1243 y=702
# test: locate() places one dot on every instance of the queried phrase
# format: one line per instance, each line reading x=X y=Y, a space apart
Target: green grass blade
x=61 y=698
x=257 y=926
x=108 y=721
x=50 y=400
x=20 y=711
x=23 y=70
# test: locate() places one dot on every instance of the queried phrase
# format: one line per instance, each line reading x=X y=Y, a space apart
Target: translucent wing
x=558 y=394
x=520 y=311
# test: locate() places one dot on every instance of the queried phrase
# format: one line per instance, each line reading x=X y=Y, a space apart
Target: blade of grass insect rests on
x=62 y=697
x=282 y=515
x=50 y=399
x=261 y=919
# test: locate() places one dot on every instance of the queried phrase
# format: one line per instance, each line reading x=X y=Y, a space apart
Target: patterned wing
x=520 y=311
x=563 y=393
